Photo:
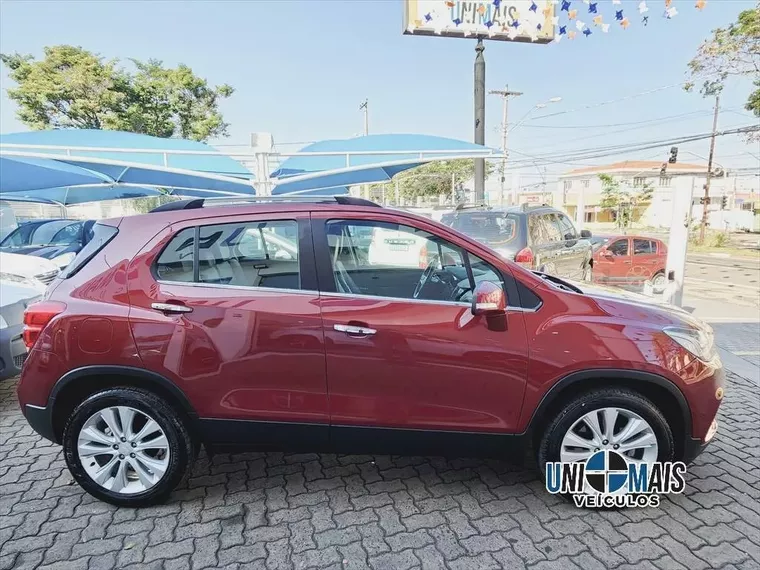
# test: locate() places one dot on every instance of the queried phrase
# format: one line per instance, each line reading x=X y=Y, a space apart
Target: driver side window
x=384 y=259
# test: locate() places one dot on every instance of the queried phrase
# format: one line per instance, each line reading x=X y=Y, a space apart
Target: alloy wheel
x=616 y=429
x=123 y=450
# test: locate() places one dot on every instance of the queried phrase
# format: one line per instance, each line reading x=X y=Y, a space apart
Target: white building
x=579 y=192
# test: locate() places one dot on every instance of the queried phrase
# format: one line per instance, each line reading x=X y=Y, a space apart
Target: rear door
x=646 y=261
x=404 y=351
x=550 y=245
x=228 y=310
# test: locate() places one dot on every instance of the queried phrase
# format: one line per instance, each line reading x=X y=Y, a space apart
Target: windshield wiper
x=557 y=282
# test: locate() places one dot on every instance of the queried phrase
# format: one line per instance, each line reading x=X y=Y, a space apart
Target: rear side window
x=255 y=254
x=99 y=236
x=643 y=247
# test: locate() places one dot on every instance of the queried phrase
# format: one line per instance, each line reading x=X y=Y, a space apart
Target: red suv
x=273 y=325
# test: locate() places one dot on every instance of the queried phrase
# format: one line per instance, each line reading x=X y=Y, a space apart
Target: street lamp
x=505 y=152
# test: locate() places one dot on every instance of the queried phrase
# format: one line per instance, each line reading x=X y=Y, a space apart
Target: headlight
x=3 y=324
x=64 y=259
x=699 y=342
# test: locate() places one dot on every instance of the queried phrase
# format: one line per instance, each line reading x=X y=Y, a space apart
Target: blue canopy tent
x=105 y=160
x=369 y=159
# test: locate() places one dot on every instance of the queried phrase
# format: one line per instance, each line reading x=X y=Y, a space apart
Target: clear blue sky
x=301 y=68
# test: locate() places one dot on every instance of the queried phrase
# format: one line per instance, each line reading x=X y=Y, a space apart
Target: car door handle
x=354 y=330
x=171 y=308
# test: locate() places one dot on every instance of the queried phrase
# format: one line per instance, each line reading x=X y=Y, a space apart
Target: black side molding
x=613 y=373
x=141 y=373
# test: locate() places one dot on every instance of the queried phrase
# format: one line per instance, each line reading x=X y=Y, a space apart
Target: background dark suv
x=541 y=238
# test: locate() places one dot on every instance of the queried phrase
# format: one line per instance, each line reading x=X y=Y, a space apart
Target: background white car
x=29 y=266
x=16 y=294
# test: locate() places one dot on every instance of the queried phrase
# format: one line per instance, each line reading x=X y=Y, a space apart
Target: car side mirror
x=585 y=234
x=490 y=301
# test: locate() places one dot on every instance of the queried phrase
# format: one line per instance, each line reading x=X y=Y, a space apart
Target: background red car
x=630 y=261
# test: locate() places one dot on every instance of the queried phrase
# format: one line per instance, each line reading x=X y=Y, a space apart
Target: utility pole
x=505 y=95
x=706 y=201
x=480 y=120
x=365 y=106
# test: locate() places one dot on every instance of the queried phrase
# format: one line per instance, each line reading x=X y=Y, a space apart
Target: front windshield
x=58 y=232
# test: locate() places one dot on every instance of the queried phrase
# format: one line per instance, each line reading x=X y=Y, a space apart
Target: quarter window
x=254 y=254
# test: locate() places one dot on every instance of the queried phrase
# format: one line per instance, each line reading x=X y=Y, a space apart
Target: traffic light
x=704 y=200
x=673 y=154
x=724 y=202
x=664 y=169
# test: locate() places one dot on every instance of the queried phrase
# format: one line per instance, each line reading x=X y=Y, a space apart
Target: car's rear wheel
x=614 y=419
x=659 y=282
x=127 y=447
x=588 y=273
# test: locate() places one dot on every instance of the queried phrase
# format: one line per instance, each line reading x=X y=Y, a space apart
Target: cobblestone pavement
x=303 y=511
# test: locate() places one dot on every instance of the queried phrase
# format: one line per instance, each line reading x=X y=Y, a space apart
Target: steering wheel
x=425 y=276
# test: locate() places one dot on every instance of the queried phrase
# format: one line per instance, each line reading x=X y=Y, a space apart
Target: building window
x=665 y=181
x=585 y=182
x=639 y=181
x=567 y=184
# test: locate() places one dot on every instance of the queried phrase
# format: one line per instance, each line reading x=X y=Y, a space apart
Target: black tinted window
x=550 y=228
x=643 y=246
x=618 y=248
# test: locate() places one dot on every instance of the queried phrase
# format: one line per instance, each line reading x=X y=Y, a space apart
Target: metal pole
x=480 y=120
x=706 y=203
x=678 y=239
x=505 y=95
x=365 y=106
x=453 y=189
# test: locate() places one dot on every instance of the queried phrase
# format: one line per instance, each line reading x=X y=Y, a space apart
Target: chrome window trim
x=240 y=287
x=335 y=294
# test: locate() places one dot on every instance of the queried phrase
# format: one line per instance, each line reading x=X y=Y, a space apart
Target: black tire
x=181 y=445
x=588 y=273
x=659 y=276
x=551 y=441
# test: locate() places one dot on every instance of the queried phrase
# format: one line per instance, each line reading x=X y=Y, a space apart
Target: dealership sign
x=506 y=20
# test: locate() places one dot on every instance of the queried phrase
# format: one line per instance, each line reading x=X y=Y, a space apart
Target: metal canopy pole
x=480 y=120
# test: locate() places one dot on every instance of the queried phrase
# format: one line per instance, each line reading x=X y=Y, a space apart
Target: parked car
x=28 y=267
x=8 y=221
x=183 y=339
x=54 y=239
x=538 y=237
x=631 y=261
x=16 y=293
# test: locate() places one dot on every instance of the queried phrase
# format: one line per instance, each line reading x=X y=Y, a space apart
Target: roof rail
x=179 y=205
x=526 y=206
x=464 y=206
x=232 y=200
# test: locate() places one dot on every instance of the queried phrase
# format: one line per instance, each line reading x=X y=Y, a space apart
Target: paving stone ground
x=277 y=510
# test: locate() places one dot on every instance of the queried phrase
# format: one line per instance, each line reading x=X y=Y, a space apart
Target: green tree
x=435 y=178
x=72 y=87
x=623 y=201
x=730 y=52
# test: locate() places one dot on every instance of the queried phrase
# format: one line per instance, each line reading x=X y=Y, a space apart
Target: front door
x=228 y=311
x=613 y=263
x=403 y=348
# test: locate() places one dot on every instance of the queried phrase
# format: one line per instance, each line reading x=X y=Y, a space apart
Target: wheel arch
x=78 y=384
x=662 y=392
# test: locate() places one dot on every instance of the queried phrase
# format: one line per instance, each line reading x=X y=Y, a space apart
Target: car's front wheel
x=614 y=419
x=588 y=273
x=127 y=447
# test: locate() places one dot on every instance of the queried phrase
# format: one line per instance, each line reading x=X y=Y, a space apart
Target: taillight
x=423 y=257
x=525 y=255
x=36 y=318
